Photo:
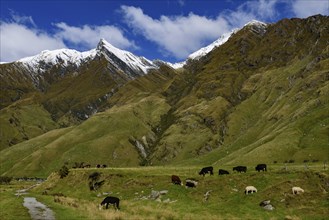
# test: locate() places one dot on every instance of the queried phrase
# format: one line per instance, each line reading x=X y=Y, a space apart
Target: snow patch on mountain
x=63 y=57
x=131 y=60
x=256 y=26
x=205 y=50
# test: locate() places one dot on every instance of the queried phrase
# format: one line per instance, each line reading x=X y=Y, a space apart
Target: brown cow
x=176 y=180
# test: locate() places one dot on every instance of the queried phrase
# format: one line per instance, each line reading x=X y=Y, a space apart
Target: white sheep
x=250 y=189
x=297 y=190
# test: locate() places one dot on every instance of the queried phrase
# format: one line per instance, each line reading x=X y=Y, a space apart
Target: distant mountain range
x=259 y=93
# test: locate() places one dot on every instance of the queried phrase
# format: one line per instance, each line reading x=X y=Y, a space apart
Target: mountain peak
x=135 y=63
x=255 y=23
x=256 y=26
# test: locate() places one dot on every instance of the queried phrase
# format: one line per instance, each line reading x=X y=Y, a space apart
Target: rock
x=163 y=192
x=264 y=203
x=268 y=207
x=154 y=194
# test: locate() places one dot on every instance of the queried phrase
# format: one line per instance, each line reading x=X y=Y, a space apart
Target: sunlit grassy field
x=71 y=198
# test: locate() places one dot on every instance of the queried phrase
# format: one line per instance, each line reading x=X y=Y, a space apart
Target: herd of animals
x=190 y=183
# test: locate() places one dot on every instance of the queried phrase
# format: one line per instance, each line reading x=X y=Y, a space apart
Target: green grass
x=23 y=121
x=103 y=139
x=11 y=206
x=227 y=199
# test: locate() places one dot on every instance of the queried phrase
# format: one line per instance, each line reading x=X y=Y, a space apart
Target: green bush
x=63 y=172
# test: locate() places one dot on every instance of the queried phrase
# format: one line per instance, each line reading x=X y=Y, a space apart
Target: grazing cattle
x=250 y=189
x=98 y=166
x=176 y=180
x=104 y=166
x=206 y=170
x=261 y=167
x=111 y=200
x=240 y=169
x=297 y=190
x=222 y=172
x=190 y=183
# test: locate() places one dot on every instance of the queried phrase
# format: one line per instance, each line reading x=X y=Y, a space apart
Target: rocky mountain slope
x=262 y=96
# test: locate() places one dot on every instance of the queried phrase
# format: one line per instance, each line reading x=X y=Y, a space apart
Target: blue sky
x=168 y=29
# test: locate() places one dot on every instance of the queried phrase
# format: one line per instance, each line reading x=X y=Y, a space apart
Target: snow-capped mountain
x=256 y=26
x=120 y=59
x=205 y=50
x=124 y=60
x=63 y=57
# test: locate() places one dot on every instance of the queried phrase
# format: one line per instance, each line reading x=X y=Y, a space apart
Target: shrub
x=5 y=179
x=63 y=172
x=94 y=184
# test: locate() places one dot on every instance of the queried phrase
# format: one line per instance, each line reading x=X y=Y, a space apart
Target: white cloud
x=177 y=35
x=20 y=37
x=262 y=10
x=18 y=41
x=181 y=35
x=305 y=8
x=88 y=36
x=21 y=19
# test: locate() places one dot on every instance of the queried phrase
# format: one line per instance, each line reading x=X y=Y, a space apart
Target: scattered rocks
x=266 y=204
x=156 y=196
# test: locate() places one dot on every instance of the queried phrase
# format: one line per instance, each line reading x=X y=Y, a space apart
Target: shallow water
x=37 y=210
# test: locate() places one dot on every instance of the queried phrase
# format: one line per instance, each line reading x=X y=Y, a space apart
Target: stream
x=37 y=210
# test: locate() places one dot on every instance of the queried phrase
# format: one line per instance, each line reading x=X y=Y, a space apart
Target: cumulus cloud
x=20 y=37
x=181 y=35
x=177 y=35
x=88 y=36
x=303 y=8
x=18 y=41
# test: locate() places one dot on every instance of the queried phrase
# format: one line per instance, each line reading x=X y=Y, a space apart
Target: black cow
x=240 y=169
x=261 y=167
x=176 y=180
x=111 y=200
x=222 y=172
x=206 y=170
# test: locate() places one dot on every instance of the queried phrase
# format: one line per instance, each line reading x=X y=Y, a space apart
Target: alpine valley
x=257 y=94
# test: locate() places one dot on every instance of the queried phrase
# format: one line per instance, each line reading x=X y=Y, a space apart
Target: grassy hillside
x=262 y=96
x=22 y=121
x=226 y=201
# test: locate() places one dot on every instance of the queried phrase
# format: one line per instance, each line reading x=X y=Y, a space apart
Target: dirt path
x=37 y=210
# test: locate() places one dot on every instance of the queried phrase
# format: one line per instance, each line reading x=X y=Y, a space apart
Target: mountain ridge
x=260 y=96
